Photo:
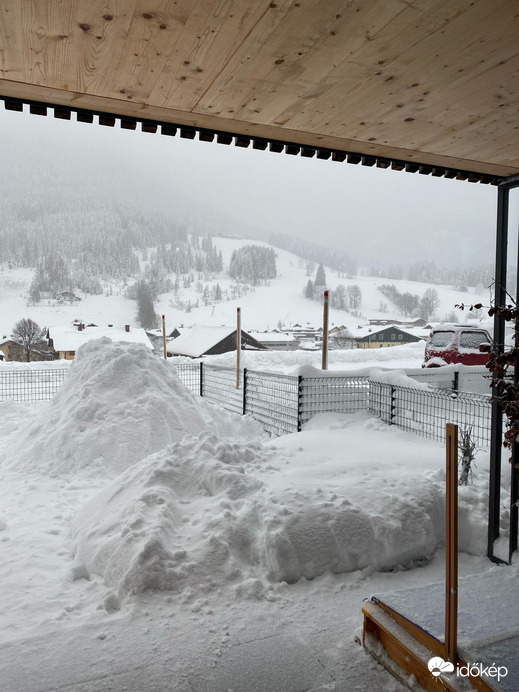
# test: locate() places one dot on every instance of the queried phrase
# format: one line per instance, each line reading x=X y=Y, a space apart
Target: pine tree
x=309 y=291
x=320 y=276
x=146 y=315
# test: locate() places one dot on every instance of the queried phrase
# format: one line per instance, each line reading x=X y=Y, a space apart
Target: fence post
x=244 y=391
x=299 y=402
x=455 y=384
x=393 y=406
x=201 y=378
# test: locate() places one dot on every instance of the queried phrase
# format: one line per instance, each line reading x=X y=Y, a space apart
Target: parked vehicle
x=448 y=344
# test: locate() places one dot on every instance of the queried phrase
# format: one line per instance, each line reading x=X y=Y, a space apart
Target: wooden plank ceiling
x=392 y=82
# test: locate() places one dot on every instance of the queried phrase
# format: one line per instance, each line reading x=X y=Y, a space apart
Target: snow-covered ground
x=150 y=541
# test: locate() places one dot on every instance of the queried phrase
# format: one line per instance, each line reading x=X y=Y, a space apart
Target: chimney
x=110 y=325
x=80 y=327
x=126 y=327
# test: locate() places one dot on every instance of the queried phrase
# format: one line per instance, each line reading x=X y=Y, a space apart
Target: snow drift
x=118 y=404
x=208 y=513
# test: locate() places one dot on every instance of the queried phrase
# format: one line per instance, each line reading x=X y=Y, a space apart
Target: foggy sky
x=378 y=216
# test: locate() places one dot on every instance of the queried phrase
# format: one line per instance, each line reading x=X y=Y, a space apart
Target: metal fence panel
x=219 y=387
x=29 y=384
x=476 y=382
x=282 y=403
x=380 y=400
x=333 y=394
x=189 y=375
x=474 y=378
x=436 y=377
x=273 y=401
x=427 y=411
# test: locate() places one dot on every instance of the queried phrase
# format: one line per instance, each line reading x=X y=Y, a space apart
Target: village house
x=278 y=341
x=386 y=336
x=67 y=297
x=209 y=341
x=12 y=351
x=67 y=340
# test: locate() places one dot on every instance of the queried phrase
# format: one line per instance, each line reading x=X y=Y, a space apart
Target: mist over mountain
x=380 y=218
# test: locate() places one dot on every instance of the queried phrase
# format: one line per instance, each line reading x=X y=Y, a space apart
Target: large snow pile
x=208 y=513
x=118 y=404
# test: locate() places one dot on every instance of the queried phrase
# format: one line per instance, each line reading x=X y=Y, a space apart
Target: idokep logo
x=437 y=666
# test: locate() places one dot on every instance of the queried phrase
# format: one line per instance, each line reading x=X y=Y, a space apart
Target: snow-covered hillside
x=263 y=308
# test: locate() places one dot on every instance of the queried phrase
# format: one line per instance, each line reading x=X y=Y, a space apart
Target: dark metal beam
x=291 y=148
x=496 y=429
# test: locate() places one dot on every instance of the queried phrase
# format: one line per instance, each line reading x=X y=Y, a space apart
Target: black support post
x=201 y=378
x=496 y=434
x=244 y=391
x=496 y=442
x=299 y=402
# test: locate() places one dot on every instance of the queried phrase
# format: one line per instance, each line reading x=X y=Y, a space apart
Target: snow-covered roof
x=198 y=340
x=271 y=337
x=70 y=338
x=368 y=330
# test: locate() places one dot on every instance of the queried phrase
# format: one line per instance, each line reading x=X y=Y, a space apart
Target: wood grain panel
x=429 y=80
x=211 y=35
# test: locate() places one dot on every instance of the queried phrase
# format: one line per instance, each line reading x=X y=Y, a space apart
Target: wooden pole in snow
x=451 y=542
x=238 y=346
x=164 y=336
x=325 y=331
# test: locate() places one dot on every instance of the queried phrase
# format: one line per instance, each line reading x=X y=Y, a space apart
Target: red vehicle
x=457 y=344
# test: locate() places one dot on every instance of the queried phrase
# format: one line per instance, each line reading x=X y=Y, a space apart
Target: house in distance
x=384 y=336
x=67 y=340
x=210 y=341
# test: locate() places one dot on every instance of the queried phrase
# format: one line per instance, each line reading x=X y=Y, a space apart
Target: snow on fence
x=426 y=412
x=283 y=403
x=340 y=394
x=30 y=384
x=273 y=400
x=460 y=378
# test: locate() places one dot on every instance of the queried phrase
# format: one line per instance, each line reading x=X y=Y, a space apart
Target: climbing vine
x=504 y=388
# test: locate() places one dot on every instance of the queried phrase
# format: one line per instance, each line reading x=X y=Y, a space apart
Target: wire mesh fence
x=190 y=375
x=282 y=404
x=426 y=412
x=31 y=384
x=219 y=387
x=337 y=394
x=475 y=379
x=273 y=400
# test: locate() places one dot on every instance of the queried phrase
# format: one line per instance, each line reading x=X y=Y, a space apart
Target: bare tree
x=428 y=303
x=31 y=337
x=467 y=450
x=354 y=296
